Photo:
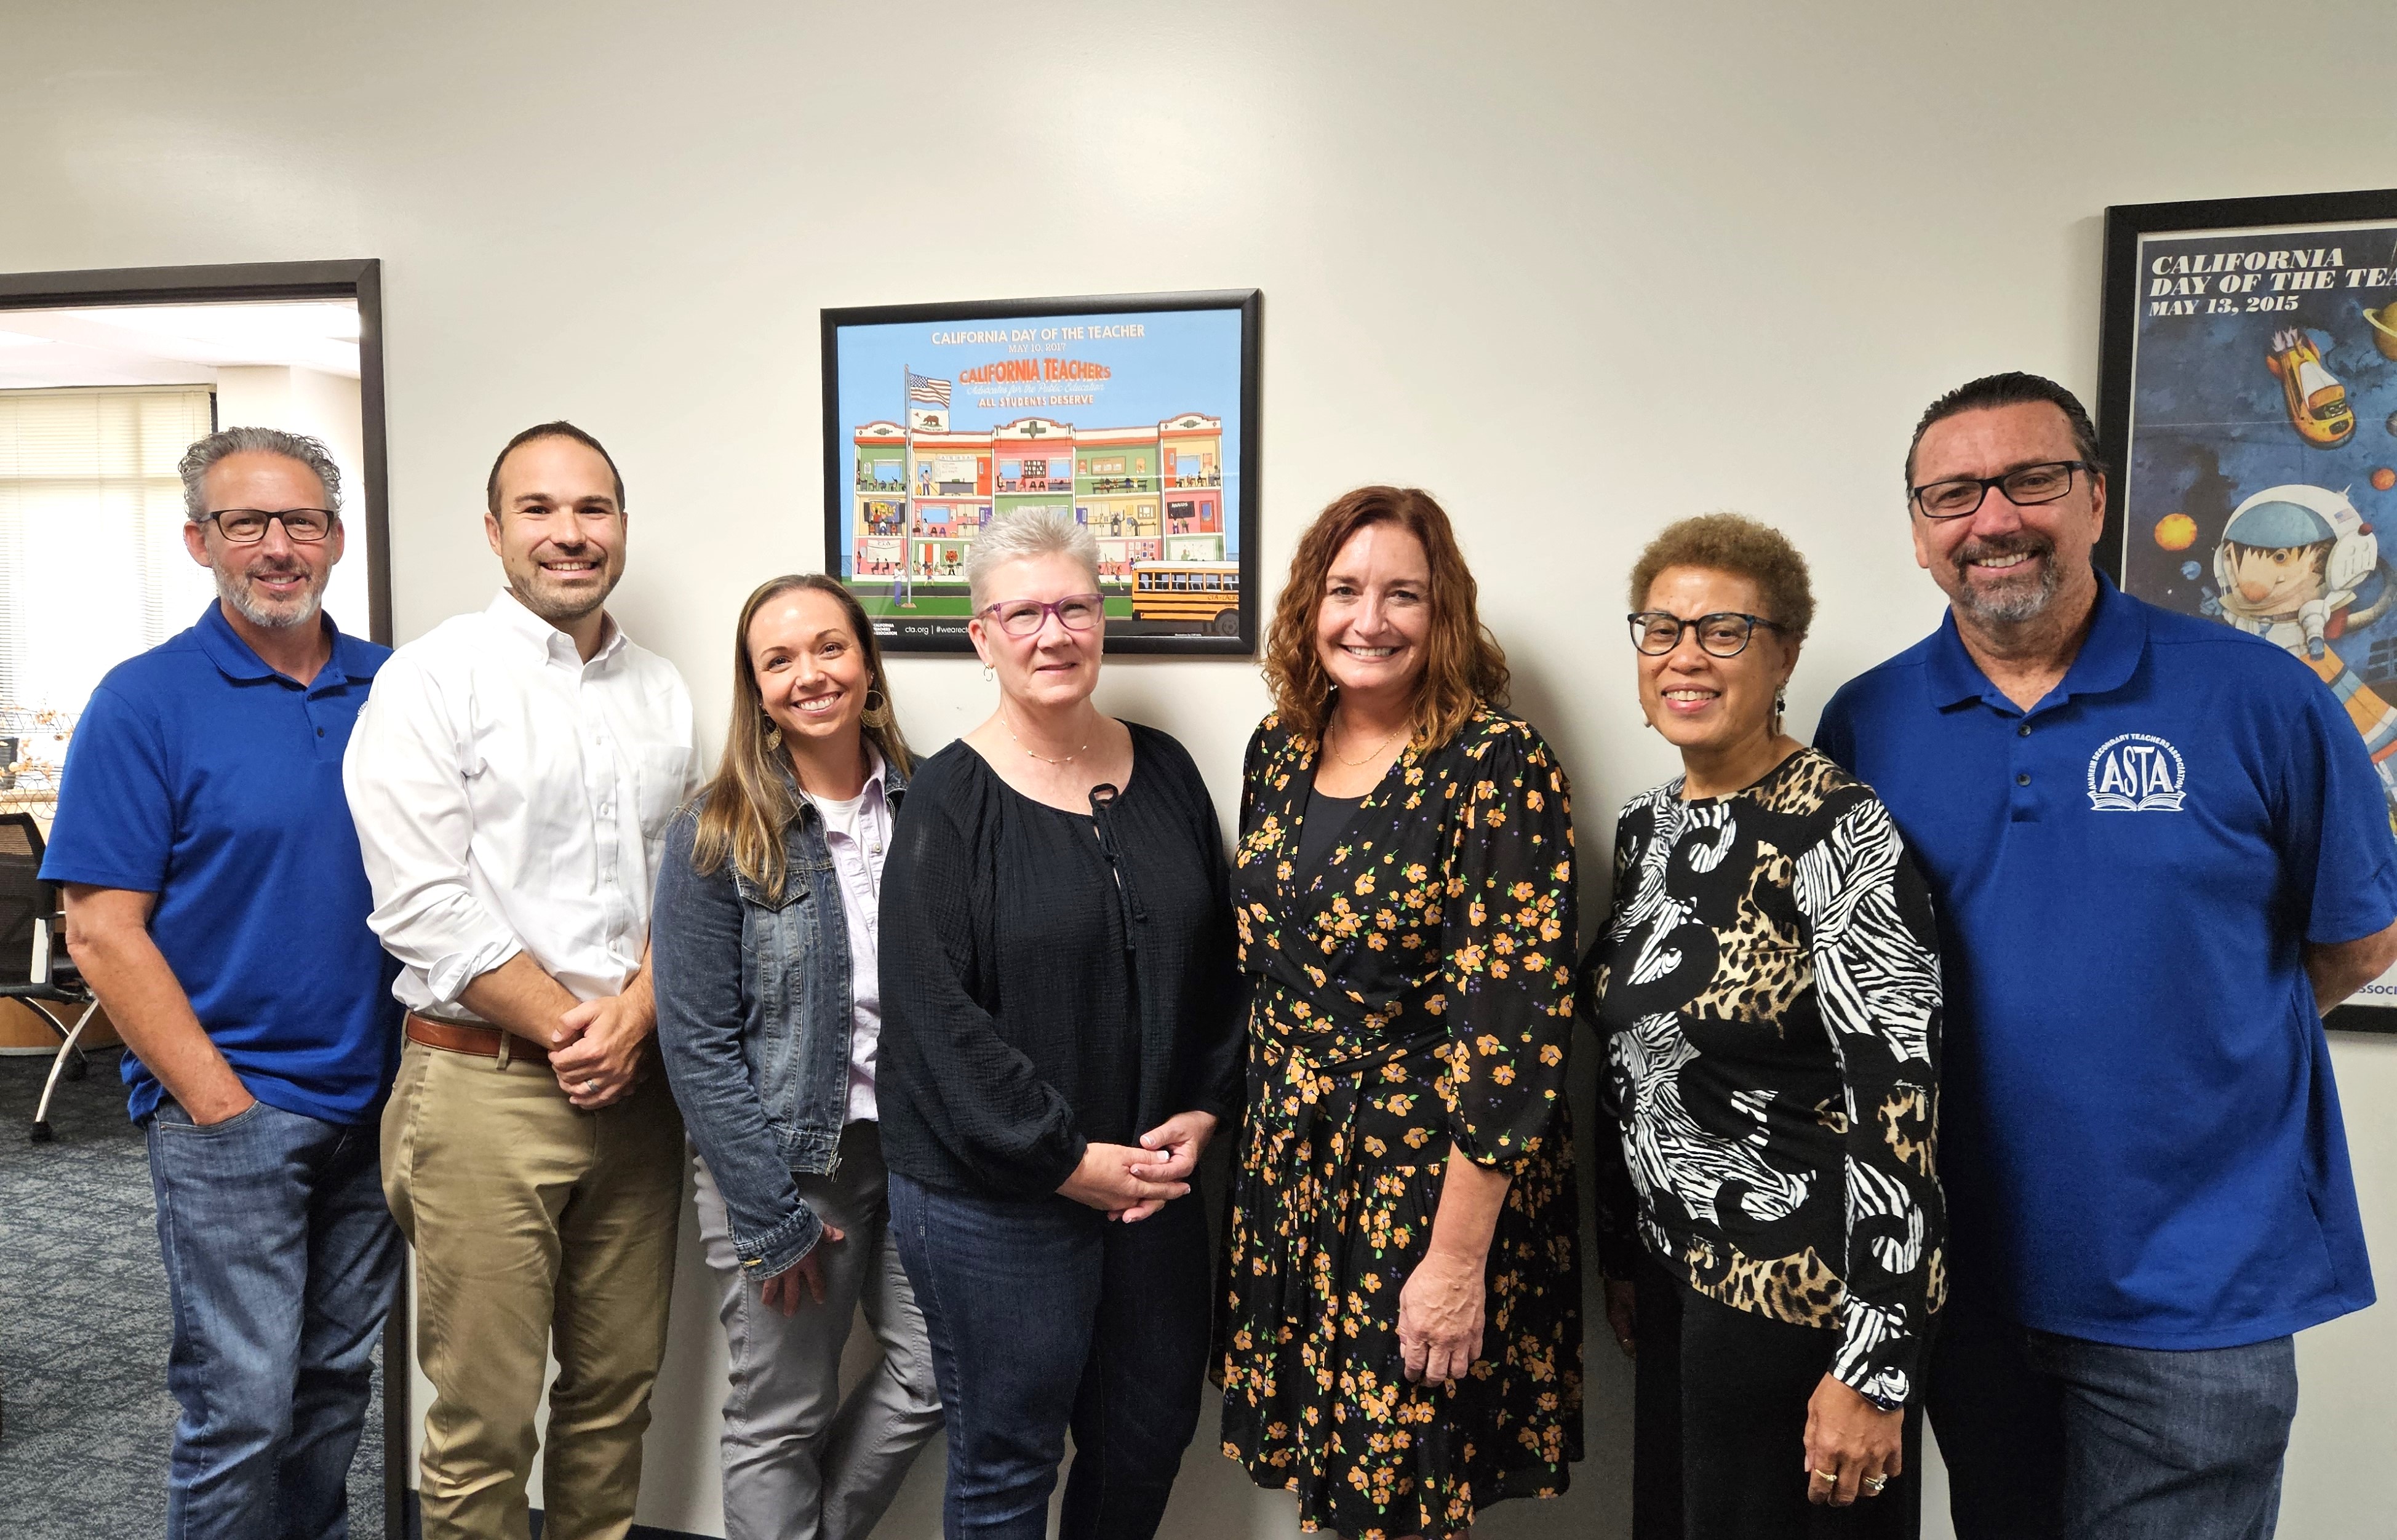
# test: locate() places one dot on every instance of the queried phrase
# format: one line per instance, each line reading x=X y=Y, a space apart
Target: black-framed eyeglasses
x=2025 y=485
x=1023 y=617
x=248 y=526
x=1723 y=635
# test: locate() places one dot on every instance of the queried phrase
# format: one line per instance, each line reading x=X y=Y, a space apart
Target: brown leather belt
x=459 y=1038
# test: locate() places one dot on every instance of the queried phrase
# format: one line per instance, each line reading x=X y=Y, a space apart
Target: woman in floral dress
x=1403 y=1293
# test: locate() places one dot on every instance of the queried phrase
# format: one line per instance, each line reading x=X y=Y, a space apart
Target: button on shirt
x=201 y=775
x=857 y=832
x=2140 y=1137
x=510 y=796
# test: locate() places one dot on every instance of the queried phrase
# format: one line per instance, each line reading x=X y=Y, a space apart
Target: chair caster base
x=42 y=1134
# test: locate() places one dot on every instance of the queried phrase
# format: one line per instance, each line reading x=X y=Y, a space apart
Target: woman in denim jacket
x=763 y=939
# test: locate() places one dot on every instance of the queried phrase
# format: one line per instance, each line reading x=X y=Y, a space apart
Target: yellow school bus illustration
x=1207 y=592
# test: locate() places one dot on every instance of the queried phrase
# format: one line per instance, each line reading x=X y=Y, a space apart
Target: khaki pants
x=537 y=1228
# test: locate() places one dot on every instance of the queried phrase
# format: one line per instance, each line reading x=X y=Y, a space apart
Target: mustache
x=2022 y=543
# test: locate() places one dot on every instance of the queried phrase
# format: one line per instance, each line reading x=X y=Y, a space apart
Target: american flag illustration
x=933 y=392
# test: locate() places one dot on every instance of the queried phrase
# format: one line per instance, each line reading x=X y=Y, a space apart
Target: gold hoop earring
x=773 y=735
x=878 y=710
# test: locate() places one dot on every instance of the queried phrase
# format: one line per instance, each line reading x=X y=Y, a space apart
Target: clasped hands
x=1131 y=1181
x=596 y=1051
x=1125 y=1182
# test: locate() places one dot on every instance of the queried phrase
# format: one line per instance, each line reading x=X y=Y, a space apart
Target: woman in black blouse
x=1061 y=1039
x=1768 y=990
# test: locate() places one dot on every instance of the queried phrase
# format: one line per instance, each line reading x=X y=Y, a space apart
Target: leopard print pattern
x=1762 y=962
x=1810 y=782
x=1801 y=1289
x=1906 y=1122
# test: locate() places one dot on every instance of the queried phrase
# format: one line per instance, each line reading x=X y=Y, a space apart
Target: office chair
x=29 y=969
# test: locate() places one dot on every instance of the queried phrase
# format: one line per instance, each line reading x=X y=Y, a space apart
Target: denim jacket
x=753 y=1019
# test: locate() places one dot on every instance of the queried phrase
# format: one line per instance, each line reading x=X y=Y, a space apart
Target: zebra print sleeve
x=1875 y=951
x=1616 y=1198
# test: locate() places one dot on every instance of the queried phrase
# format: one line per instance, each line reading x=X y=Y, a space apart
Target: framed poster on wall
x=1136 y=413
x=2248 y=400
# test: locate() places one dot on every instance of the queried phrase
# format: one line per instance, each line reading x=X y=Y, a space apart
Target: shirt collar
x=874 y=791
x=2109 y=655
x=238 y=660
x=553 y=644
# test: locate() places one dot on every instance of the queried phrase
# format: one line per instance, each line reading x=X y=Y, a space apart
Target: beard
x=2013 y=599
x=271 y=614
x=556 y=603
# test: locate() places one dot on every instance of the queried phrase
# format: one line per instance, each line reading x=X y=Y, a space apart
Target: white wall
x=1579 y=268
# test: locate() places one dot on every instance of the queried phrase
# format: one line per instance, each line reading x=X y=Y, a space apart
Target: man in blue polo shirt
x=216 y=902
x=2159 y=853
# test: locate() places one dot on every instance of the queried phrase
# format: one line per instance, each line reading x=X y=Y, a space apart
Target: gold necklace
x=1370 y=757
x=1042 y=758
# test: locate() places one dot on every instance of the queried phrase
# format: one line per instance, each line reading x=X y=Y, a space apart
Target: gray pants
x=800 y=1463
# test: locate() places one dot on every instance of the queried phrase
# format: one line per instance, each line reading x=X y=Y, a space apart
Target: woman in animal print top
x=1767 y=986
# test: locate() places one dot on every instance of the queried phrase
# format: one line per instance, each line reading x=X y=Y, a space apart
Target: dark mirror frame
x=359 y=279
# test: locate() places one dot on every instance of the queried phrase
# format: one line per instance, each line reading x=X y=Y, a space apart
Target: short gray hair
x=308 y=451
x=1033 y=532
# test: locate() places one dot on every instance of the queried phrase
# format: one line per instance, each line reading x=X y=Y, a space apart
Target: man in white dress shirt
x=512 y=777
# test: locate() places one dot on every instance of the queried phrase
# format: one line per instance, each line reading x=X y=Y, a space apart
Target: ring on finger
x=1872 y=1485
x=1830 y=1476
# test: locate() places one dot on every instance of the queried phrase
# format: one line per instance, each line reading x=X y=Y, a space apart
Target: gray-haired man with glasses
x=216 y=901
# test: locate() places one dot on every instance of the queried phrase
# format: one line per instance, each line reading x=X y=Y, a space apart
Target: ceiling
x=179 y=344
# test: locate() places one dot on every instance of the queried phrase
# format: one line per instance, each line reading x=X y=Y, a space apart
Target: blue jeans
x=1044 y=1317
x=2048 y=1435
x=280 y=1260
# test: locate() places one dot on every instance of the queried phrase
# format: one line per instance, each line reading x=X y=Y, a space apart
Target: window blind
x=92 y=564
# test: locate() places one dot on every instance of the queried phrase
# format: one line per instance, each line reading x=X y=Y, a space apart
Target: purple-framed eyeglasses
x=1024 y=617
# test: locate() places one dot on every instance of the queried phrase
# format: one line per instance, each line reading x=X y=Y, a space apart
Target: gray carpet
x=84 y=1323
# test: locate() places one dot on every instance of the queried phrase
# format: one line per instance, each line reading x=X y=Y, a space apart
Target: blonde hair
x=749 y=803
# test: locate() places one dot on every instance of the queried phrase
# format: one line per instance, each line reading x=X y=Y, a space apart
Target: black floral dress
x=1413 y=988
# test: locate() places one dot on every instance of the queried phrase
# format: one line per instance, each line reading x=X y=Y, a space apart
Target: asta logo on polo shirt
x=2135 y=772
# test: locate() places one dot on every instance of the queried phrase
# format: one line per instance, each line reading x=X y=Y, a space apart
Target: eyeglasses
x=1723 y=635
x=1023 y=617
x=2025 y=485
x=248 y=526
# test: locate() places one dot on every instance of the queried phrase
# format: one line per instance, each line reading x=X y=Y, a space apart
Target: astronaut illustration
x=2293 y=564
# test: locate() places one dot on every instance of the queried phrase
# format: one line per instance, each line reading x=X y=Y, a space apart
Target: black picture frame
x=1235 y=507
x=2215 y=451
x=359 y=278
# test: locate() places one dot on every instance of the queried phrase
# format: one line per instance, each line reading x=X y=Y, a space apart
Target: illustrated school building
x=1148 y=493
